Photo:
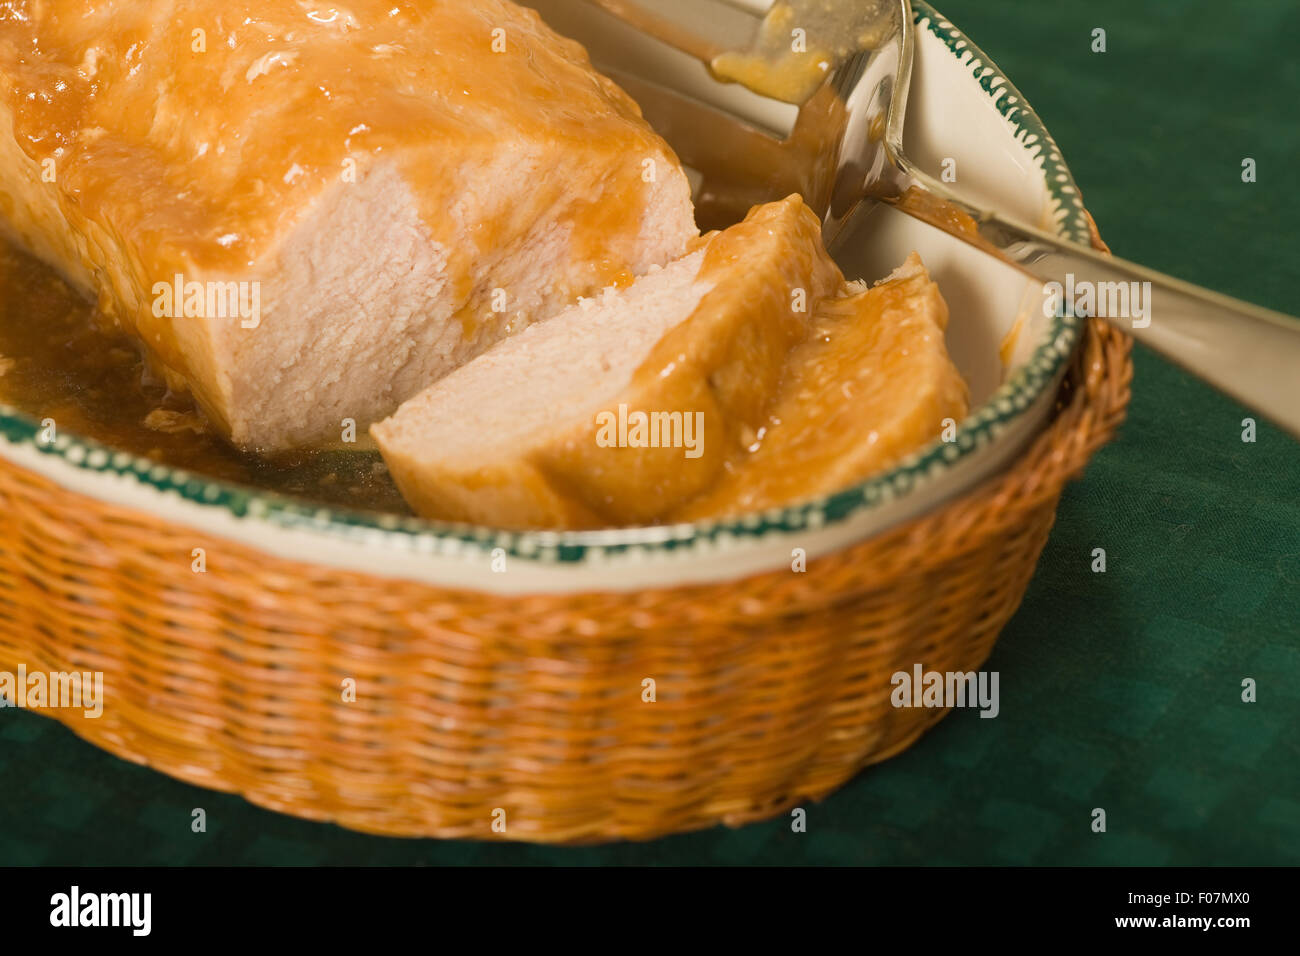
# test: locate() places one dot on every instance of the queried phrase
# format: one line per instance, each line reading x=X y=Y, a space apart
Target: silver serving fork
x=840 y=146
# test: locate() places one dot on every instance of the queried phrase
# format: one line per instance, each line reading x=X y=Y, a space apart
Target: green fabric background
x=1119 y=690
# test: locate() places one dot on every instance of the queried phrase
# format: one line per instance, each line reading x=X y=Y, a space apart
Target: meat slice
x=546 y=429
x=872 y=382
x=377 y=191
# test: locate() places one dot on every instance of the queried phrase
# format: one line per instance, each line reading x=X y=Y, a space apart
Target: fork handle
x=1248 y=352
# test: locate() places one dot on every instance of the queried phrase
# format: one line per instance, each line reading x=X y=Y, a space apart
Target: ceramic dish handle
x=1248 y=352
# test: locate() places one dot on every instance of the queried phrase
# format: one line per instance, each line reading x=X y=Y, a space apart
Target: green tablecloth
x=1119 y=690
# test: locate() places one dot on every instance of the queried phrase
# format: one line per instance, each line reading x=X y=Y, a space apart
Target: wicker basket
x=474 y=710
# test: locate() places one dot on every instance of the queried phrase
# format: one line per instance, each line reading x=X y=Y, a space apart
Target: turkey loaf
x=624 y=407
x=744 y=376
x=308 y=212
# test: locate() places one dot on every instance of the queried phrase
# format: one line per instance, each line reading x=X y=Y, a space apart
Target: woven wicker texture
x=472 y=710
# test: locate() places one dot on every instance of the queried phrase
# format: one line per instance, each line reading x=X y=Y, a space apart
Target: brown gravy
x=58 y=362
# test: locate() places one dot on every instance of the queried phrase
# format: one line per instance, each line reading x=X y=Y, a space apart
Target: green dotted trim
x=418 y=535
x=1070 y=217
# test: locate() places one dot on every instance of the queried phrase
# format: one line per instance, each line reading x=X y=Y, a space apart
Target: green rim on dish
x=417 y=534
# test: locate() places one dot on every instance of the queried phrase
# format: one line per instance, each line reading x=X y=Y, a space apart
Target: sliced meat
x=545 y=429
x=398 y=185
x=871 y=384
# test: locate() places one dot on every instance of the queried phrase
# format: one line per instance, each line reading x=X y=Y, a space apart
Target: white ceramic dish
x=961 y=109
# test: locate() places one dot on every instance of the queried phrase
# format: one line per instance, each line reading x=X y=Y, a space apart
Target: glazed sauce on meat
x=58 y=362
x=147 y=179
